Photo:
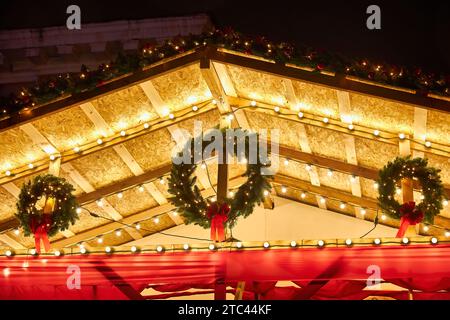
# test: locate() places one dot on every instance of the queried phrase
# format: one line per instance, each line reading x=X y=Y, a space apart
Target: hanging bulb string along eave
x=282 y=53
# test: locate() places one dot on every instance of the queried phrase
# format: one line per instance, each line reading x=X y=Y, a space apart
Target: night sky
x=412 y=34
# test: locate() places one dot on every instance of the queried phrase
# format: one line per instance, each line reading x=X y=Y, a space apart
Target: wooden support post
x=240 y=288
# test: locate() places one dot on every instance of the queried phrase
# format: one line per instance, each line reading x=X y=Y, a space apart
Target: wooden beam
x=215 y=87
x=11 y=242
x=303 y=138
x=345 y=112
x=339 y=82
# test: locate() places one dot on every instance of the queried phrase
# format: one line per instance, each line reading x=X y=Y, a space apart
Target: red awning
x=121 y=276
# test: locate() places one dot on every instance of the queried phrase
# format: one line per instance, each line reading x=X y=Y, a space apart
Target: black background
x=412 y=34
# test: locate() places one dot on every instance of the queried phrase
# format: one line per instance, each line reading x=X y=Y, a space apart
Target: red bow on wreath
x=410 y=215
x=218 y=217
x=40 y=225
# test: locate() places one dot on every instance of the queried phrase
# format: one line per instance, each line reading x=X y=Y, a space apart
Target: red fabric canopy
x=123 y=276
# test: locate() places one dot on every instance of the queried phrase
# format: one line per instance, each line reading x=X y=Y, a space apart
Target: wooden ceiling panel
x=151 y=150
x=17 y=149
x=7 y=205
x=67 y=129
x=442 y=163
x=102 y=168
x=288 y=130
x=438 y=127
x=326 y=142
x=181 y=88
x=125 y=108
x=321 y=101
x=337 y=180
x=86 y=221
x=374 y=154
x=367 y=188
x=381 y=114
x=132 y=201
x=208 y=120
x=293 y=169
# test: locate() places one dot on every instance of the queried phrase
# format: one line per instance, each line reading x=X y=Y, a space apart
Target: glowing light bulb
x=231 y=194
x=30 y=165
x=342 y=205
x=76 y=149
x=212 y=246
x=330 y=173
x=214 y=101
x=375 y=185
x=33 y=252
x=434 y=240
x=377 y=241
x=99 y=141
x=266 y=193
x=320 y=243
x=99 y=240
x=405 y=240
x=300 y=114
x=293 y=243
x=141 y=188
x=159 y=248
x=283 y=189
x=16 y=232
x=383 y=217
x=253 y=103
x=286 y=162
x=308 y=167
x=83 y=250
x=213 y=199
x=78 y=210
x=123 y=133
x=398 y=191
x=133 y=249
x=146 y=126
x=57 y=253
x=52 y=157
x=108 y=249
x=239 y=245
x=203 y=166
x=426 y=228
x=118 y=233
x=303 y=195
x=445 y=203
x=194 y=108
x=427 y=144
x=185 y=246
x=120 y=195
x=402 y=136
x=230 y=116
x=351 y=127
x=171 y=116
x=348 y=242
x=363 y=211
x=266 y=245
x=277 y=109
x=376 y=133
x=156 y=220
x=447 y=234
x=161 y=181
x=8 y=173
x=322 y=200
x=99 y=203
x=138 y=226
x=8 y=253
x=325 y=120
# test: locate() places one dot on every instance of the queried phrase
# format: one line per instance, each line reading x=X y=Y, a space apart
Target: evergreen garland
x=191 y=204
x=47 y=186
x=86 y=80
x=417 y=168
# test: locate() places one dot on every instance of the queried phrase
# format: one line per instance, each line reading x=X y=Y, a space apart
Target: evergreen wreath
x=39 y=190
x=187 y=196
x=417 y=169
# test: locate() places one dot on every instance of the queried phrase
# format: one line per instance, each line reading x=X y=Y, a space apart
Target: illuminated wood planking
x=345 y=112
x=303 y=138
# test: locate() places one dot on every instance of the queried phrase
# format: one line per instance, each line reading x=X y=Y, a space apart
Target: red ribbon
x=40 y=227
x=218 y=218
x=410 y=216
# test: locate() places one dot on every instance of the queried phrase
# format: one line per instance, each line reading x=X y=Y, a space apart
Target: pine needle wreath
x=417 y=169
x=41 y=188
x=187 y=196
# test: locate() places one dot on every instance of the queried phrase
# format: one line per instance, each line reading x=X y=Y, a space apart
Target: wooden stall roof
x=335 y=134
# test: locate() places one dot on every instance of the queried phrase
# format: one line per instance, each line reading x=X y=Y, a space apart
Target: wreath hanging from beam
x=207 y=213
x=418 y=170
x=46 y=205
